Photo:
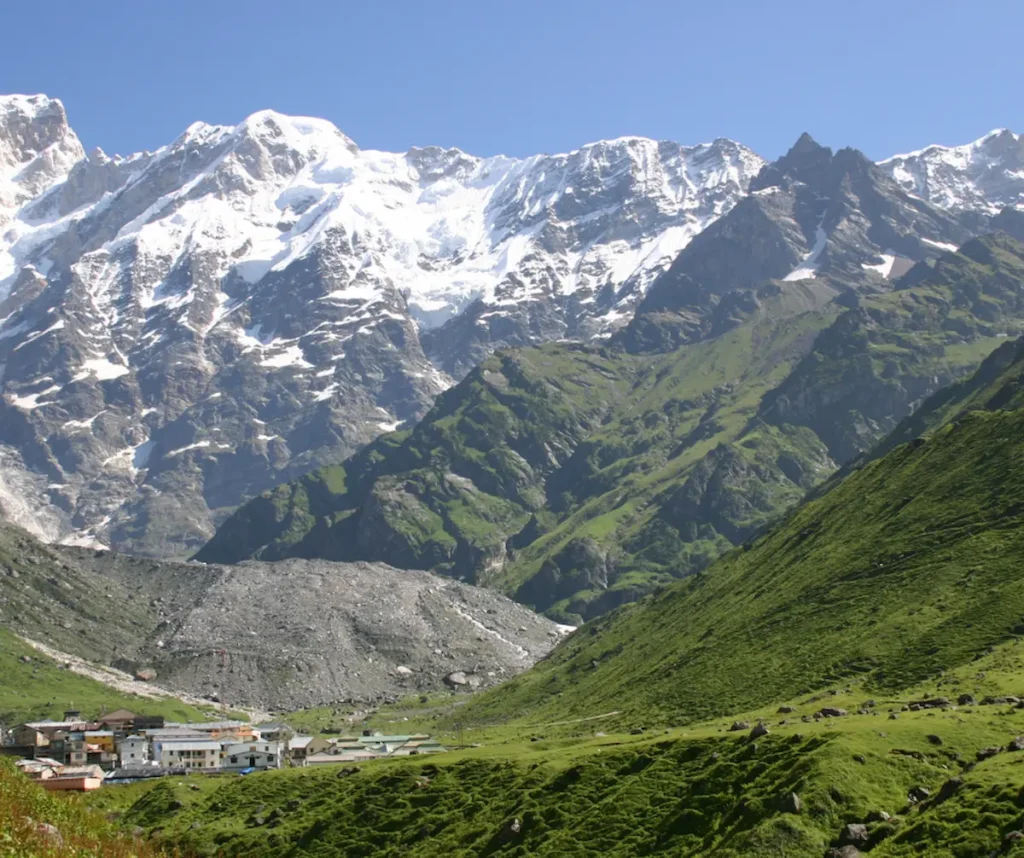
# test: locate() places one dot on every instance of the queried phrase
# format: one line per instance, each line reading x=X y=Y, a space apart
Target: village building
x=187 y=753
x=143 y=723
x=132 y=751
x=40 y=769
x=274 y=732
x=29 y=734
x=75 y=778
x=85 y=748
x=301 y=747
x=252 y=755
x=119 y=721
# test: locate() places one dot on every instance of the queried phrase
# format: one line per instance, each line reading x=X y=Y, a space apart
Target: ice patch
x=808 y=269
x=290 y=356
x=884 y=268
x=102 y=368
x=941 y=245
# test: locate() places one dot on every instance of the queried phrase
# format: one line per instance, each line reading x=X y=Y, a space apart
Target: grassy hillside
x=545 y=456
x=40 y=688
x=48 y=598
x=702 y=791
x=579 y=479
x=38 y=824
x=908 y=567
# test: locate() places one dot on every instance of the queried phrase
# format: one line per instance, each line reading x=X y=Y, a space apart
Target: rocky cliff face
x=182 y=329
x=813 y=215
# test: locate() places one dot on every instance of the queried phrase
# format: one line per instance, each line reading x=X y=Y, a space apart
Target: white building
x=252 y=755
x=133 y=751
x=187 y=753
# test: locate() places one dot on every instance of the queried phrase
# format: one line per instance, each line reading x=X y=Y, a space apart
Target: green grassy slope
x=552 y=453
x=579 y=479
x=40 y=688
x=891 y=351
x=908 y=567
x=703 y=791
x=38 y=824
x=47 y=598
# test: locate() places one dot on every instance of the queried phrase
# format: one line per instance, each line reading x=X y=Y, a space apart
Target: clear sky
x=493 y=76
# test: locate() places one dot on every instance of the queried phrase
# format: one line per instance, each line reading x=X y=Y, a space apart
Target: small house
x=75 y=779
x=252 y=755
x=274 y=732
x=119 y=721
x=301 y=747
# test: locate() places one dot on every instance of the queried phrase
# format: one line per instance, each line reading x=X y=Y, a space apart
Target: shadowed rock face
x=813 y=215
x=188 y=327
x=269 y=635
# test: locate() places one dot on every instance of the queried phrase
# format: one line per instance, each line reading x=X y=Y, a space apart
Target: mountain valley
x=676 y=495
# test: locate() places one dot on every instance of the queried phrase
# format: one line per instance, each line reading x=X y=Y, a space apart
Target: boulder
x=739 y=725
x=759 y=730
x=457 y=679
x=1016 y=744
x=832 y=712
x=855 y=832
x=965 y=700
x=931 y=703
x=919 y=793
x=402 y=670
x=933 y=739
x=786 y=710
x=145 y=674
x=792 y=803
x=987 y=753
x=50 y=833
x=948 y=788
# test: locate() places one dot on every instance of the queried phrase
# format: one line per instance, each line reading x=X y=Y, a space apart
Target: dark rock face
x=813 y=215
x=581 y=565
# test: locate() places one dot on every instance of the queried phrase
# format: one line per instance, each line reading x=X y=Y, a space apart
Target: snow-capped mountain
x=182 y=329
x=983 y=176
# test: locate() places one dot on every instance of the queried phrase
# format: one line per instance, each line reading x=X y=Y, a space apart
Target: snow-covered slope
x=182 y=329
x=983 y=176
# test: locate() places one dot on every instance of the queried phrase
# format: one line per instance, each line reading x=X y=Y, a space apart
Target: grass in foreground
x=37 y=824
x=698 y=791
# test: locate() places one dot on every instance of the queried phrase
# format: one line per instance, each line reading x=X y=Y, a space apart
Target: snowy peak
x=37 y=149
x=980 y=177
x=183 y=328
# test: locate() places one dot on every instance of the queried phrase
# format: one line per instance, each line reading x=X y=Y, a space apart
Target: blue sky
x=494 y=76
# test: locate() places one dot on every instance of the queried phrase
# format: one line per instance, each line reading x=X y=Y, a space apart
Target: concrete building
x=132 y=751
x=75 y=779
x=274 y=732
x=187 y=753
x=252 y=755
